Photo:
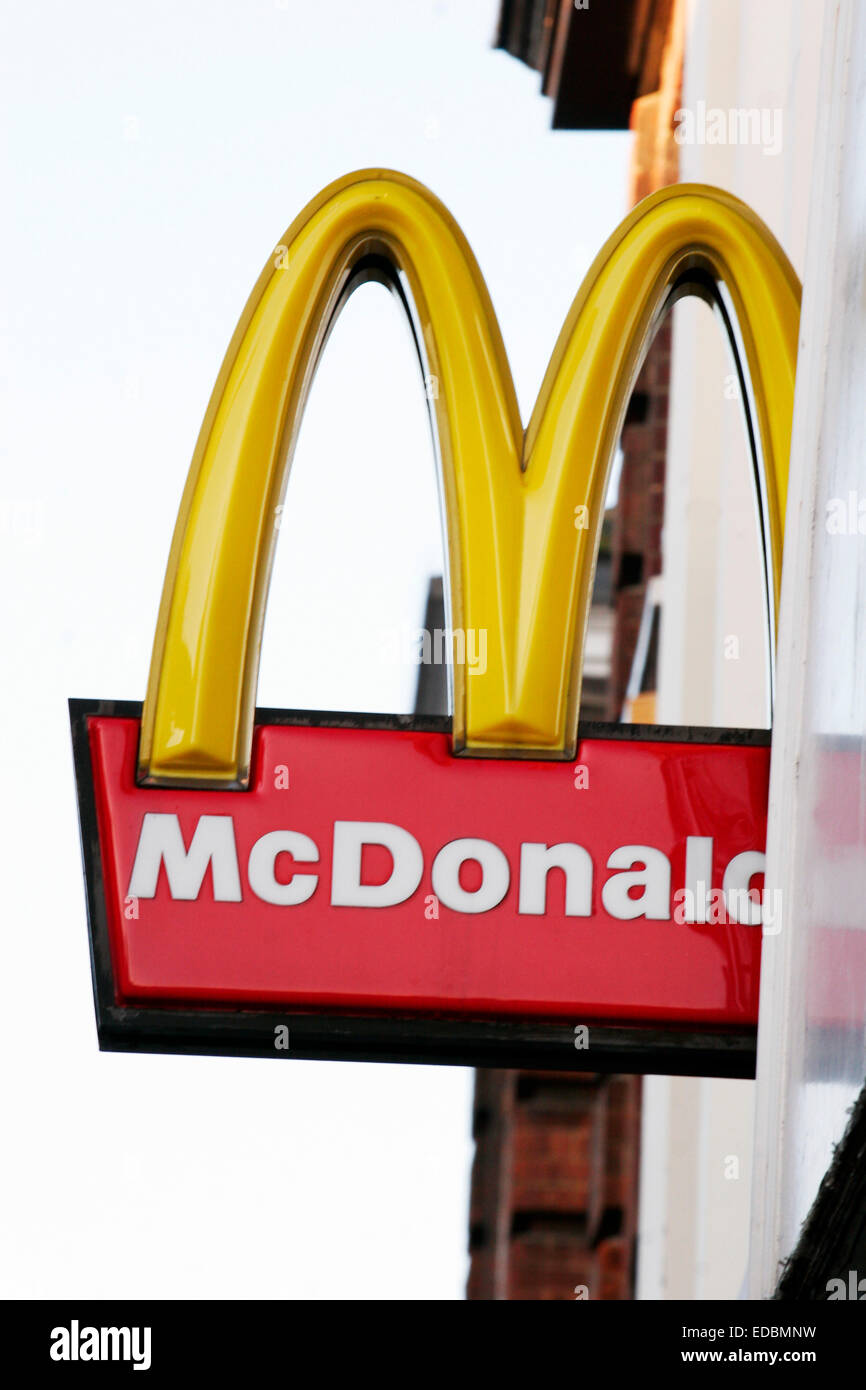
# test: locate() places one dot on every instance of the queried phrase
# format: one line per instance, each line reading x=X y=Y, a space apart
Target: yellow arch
x=519 y=566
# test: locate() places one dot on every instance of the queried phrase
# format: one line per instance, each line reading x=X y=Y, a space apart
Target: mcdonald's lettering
x=458 y=888
x=214 y=847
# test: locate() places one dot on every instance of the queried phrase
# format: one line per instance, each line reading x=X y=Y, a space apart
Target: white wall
x=697 y=1134
x=812 y=1044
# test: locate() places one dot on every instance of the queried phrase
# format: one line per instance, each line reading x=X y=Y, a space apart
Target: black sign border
x=528 y=1044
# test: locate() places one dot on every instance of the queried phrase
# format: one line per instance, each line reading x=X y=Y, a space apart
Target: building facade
x=555 y=1180
x=743 y=1187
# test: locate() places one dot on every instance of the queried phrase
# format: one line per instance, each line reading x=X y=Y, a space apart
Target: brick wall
x=639 y=516
x=637 y=529
x=554 y=1186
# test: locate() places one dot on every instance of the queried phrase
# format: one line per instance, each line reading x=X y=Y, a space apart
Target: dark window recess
x=630 y=569
x=638 y=408
x=548 y=1223
x=481 y=1121
x=601 y=587
x=611 y=1224
x=648 y=679
x=478 y=1236
x=550 y=1092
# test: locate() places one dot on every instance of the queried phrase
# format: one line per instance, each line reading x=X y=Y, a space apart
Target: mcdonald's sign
x=504 y=887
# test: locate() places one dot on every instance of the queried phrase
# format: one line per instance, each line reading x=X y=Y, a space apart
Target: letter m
x=161 y=842
x=115 y=1344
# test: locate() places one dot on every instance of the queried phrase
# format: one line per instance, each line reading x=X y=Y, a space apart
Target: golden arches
x=520 y=568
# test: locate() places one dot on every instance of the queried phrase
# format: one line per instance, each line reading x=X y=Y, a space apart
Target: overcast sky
x=152 y=157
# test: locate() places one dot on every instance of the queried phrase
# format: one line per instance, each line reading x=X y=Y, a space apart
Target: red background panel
x=498 y=963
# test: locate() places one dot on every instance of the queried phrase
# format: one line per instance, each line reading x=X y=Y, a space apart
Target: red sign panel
x=367 y=874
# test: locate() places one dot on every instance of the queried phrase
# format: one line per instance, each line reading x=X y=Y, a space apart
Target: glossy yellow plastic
x=523 y=512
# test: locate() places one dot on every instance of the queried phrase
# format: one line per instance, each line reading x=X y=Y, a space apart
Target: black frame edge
x=832 y=1240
